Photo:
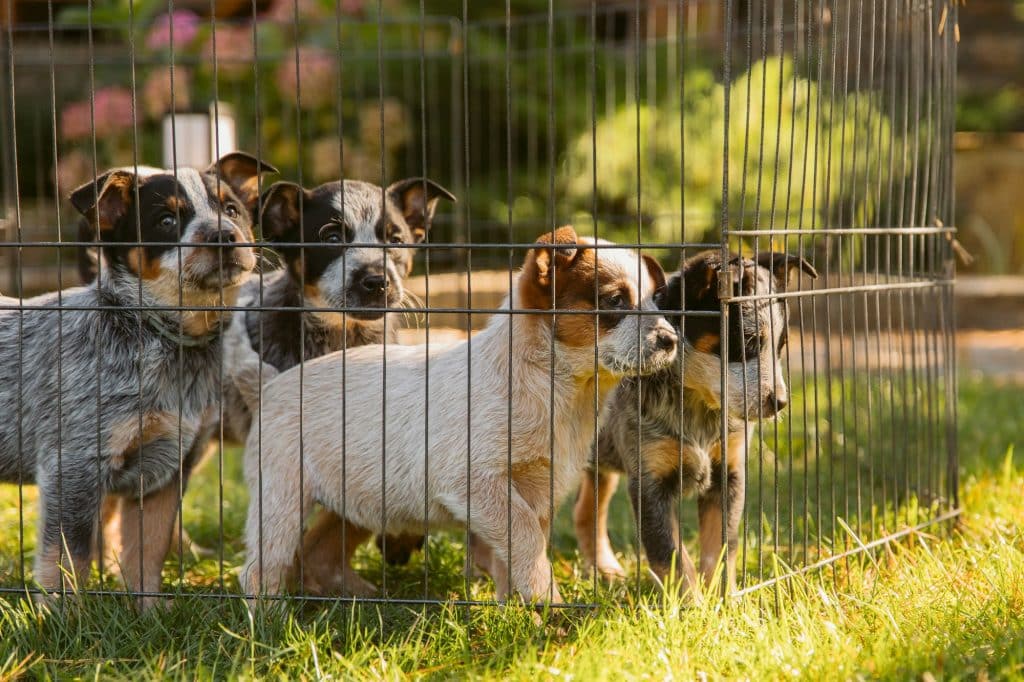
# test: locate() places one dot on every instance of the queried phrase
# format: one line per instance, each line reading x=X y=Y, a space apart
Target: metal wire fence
x=706 y=135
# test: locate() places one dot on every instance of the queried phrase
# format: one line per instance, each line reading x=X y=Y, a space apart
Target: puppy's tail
x=247 y=369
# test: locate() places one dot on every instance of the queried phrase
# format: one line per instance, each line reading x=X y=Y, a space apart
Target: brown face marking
x=176 y=204
x=571 y=279
x=141 y=264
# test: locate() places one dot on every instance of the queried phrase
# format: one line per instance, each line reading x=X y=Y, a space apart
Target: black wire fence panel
x=819 y=128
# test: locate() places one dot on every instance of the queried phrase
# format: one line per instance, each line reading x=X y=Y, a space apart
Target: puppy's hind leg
x=327 y=550
x=590 y=516
x=146 y=529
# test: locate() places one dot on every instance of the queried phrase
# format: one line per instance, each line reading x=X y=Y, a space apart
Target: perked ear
x=417 y=199
x=105 y=200
x=657 y=275
x=241 y=172
x=560 y=252
x=279 y=215
x=782 y=264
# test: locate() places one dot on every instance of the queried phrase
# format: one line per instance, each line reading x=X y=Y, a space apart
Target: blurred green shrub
x=798 y=156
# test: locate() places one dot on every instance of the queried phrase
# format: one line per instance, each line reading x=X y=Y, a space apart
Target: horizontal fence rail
x=232 y=380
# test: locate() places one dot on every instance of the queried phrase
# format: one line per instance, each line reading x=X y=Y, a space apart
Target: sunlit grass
x=950 y=603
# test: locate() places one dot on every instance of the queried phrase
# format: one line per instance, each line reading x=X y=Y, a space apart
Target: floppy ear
x=105 y=200
x=670 y=296
x=657 y=275
x=782 y=264
x=241 y=172
x=279 y=215
x=417 y=198
x=700 y=276
x=555 y=251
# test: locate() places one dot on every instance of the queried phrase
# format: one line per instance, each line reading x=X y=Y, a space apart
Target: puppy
x=318 y=281
x=679 y=427
x=108 y=389
x=370 y=465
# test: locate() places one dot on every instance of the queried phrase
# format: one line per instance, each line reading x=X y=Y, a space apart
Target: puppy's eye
x=396 y=238
x=331 y=234
x=615 y=302
x=168 y=221
x=231 y=210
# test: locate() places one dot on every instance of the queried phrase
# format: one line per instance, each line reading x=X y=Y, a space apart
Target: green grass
x=947 y=602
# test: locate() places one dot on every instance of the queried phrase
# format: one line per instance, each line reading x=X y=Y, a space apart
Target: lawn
x=947 y=602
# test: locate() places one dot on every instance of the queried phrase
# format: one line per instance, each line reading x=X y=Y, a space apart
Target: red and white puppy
x=445 y=454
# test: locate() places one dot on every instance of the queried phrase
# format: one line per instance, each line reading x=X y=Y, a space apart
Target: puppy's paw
x=357 y=586
x=697 y=472
x=609 y=568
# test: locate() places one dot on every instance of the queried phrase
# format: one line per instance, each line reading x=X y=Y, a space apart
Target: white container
x=192 y=139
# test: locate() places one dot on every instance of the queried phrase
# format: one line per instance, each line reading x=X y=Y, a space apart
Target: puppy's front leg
x=68 y=510
x=659 y=531
x=711 y=511
x=493 y=514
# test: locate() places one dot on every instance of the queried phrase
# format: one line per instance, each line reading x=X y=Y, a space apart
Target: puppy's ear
x=280 y=211
x=242 y=172
x=105 y=200
x=555 y=251
x=782 y=264
x=670 y=296
x=657 y=275
x=700 y=276
x=417 y=199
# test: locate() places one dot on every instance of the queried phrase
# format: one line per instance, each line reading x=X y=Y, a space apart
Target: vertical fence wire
x=869 y=448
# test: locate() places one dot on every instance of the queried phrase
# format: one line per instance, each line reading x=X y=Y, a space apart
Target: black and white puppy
x=107 y=385
x=678 y=426
x=346 y=252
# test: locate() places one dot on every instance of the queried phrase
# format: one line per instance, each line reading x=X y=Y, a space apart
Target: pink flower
x=111 y=110
x=316 y=79
x=235 y=51
x=185 y=24
x=283 y=11
x=156 y=93
x=74 y=168
x=75 y=121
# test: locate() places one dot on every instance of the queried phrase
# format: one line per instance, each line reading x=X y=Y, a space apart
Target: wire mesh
x=815 y=128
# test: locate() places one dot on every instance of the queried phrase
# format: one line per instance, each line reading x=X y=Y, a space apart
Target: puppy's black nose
x=223 y=237
x=666 y=340
x=375 y=284
x=775 y=403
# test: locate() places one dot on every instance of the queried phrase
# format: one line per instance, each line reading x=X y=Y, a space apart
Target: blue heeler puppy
x=677 y=421
x=108 y=385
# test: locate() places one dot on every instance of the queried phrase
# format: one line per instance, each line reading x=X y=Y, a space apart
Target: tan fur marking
x=709 y=343
x=139 y=263
x=126 y=437
x=735 y=451
x=176 y=204
x=662 y=457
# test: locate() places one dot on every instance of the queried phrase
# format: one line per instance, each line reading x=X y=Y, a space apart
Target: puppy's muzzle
x=223 y=261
